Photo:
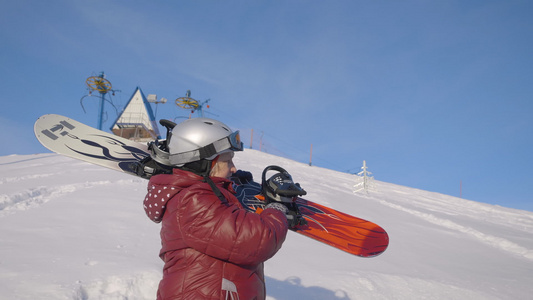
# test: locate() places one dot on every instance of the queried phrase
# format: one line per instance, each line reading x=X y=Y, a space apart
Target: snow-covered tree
x=364 y=180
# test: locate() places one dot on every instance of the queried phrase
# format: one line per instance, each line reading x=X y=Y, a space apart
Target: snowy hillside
x=71 y=230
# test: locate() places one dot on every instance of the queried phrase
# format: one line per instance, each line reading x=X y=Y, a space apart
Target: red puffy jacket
x=211 y=249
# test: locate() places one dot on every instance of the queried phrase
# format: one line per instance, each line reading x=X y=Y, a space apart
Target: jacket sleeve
x=228 y=232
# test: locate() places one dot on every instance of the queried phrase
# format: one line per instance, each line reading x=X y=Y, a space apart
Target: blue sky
x=429 y=93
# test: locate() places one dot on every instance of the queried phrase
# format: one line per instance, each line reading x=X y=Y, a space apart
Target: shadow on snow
x=292 y=288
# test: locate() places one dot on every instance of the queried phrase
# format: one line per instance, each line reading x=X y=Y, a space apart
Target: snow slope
x=71 y=230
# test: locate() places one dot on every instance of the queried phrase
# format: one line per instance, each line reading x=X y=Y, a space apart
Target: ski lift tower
x=102 y=86
x=189 y=103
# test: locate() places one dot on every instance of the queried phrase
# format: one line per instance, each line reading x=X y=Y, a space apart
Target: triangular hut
x=137 y=121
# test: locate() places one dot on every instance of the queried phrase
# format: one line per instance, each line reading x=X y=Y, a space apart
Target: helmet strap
x=203 y=168
x=215 y=189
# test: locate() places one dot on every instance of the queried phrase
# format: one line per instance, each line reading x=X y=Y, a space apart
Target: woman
x=211 y=246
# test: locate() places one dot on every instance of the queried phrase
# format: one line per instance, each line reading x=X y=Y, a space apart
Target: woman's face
x=224 y=166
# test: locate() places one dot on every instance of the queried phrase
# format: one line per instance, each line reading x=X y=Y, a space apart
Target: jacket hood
x=163 y=187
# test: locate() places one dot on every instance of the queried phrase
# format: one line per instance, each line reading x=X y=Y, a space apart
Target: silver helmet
x=201 y=139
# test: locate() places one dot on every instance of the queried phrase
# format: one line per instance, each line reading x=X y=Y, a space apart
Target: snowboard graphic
x=74 y=139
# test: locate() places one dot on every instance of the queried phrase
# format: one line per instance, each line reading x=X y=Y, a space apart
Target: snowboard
x=73 y=139
x=324 y=224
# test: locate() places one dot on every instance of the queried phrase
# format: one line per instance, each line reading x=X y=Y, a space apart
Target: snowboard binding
x=282 y=189
x=158 y=162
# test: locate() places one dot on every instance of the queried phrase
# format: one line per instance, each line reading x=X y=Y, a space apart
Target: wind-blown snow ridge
x=491 y=240
x=452 y=206
x=34 y=197
x=22 y=178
